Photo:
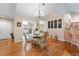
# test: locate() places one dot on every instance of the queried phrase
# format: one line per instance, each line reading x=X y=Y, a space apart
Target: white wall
x=6 y=28
x=18 y=33
x=55 y=31
x=75 y=17
x=57 y=11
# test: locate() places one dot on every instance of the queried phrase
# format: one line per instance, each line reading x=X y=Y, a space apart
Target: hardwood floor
x=59 y=48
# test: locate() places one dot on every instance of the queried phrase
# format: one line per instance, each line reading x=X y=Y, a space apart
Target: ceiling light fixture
x=1 y=16
x=40 y=13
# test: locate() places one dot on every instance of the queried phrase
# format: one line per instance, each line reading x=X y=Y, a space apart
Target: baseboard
x=4 y=39
x=61 y=40
x=17 y=41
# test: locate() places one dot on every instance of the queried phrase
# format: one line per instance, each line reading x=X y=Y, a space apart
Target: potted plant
x=56 y=37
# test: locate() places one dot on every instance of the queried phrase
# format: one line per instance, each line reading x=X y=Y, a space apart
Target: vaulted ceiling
x=73 y=7
x=29 y=9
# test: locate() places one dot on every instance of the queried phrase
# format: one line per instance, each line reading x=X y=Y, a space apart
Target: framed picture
x=59 y=23
x=48 y=24
x=55 y=23
x=18 y=24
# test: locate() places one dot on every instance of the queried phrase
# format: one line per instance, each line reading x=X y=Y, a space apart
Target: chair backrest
x=45 y=36
x=25 y=36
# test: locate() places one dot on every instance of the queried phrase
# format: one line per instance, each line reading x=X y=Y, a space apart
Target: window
x=48 y=24
x=59 y=23
x=51 y=24
x=55 y=23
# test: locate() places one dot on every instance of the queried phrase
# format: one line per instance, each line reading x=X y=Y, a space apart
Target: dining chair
x=26 y=41
x=43 y=41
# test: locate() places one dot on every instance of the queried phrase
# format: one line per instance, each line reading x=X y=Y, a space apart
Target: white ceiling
x=7 y=10
x=73 y=7
x=29 y=9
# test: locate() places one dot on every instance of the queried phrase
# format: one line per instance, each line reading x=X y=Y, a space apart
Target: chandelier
x=40 y=13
